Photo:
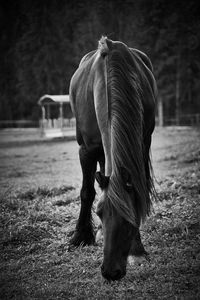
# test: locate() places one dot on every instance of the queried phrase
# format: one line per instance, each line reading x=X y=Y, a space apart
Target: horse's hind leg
x=83 y=234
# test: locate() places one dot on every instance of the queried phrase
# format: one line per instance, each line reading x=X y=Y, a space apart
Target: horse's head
x=119 y=235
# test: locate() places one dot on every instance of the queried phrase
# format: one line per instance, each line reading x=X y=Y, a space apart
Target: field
x=39 y=199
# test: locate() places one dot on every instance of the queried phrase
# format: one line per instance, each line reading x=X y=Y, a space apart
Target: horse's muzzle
x=114 y=274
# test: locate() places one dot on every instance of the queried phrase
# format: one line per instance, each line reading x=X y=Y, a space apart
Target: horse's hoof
x=80 y=240
x=71 y=248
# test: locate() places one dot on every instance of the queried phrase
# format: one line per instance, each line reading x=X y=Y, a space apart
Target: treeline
x=42 y=43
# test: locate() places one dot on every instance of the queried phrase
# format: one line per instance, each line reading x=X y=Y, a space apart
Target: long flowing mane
x=127 y=129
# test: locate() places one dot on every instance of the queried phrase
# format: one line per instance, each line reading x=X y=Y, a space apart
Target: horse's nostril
x=117 y=274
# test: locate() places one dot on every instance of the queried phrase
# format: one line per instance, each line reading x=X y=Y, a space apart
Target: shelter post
x=61 y=115
x=48 y=111
x=43 y=119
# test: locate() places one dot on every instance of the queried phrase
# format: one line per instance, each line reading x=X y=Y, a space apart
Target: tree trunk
x=178 y=77
x=189 y=78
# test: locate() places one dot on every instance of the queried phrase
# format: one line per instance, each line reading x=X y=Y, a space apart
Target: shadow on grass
x=44 y=192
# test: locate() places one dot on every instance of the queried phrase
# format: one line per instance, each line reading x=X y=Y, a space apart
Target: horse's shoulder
x=143 y=57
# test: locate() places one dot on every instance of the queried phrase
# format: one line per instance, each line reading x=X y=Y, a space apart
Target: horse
x=113 y=96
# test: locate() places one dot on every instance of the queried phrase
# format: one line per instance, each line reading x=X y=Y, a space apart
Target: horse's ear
x=127 y=179
x=109 y=44
x=102 y=180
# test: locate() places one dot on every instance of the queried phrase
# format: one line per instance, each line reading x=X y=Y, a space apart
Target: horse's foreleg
x=137 y=248
x=83 y=234
x=137 y=254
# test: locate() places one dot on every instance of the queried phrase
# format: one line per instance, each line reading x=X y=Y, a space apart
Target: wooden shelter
x=57 y=116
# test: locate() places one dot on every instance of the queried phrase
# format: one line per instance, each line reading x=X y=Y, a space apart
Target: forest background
x=42 y=42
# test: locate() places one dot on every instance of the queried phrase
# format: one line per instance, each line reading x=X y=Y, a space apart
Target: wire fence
x=19 y=124
x=184 y=120
x=51 y=123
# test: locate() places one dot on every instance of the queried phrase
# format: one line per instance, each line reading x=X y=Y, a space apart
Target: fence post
x=197 y=119
x=160 y=112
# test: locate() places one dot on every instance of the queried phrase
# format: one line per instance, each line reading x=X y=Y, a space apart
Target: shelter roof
x=53 y=99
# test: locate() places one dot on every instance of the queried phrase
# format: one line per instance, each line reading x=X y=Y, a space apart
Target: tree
x=42 y=44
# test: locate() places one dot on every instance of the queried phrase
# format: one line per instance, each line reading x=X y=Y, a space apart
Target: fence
x=19 y=124
x=184 y=120
x=57 y=123
x=51 y=123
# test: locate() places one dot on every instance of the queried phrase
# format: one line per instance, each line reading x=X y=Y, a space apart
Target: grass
x=37 y=221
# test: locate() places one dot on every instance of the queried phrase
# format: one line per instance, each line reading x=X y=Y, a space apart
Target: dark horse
x=113 y=98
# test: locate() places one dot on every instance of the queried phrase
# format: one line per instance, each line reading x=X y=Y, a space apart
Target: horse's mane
x=127 y=124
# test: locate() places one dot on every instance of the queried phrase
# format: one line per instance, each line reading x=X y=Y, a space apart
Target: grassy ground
x=39 y=202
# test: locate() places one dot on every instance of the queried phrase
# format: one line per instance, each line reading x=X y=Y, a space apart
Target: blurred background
x=42 y=43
